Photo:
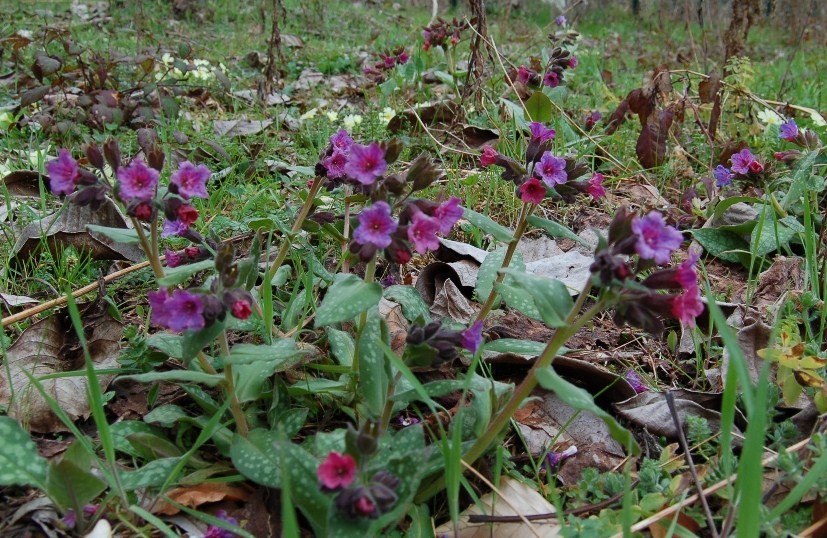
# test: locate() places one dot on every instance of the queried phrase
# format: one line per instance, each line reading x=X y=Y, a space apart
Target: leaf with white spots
x=20 y=464
x=348 y=296
x=373 y=379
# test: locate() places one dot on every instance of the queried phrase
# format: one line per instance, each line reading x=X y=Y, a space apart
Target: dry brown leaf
x=397 y=324
x=195 y=496
x=230 y=128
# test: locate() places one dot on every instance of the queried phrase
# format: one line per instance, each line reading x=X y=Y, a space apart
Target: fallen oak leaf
x=195 y=496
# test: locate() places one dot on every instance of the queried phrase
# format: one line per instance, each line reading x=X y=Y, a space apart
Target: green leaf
x=517 y=113
x=725 y=204
x=151 y=475
x=409 y=298
x=514 y=345
x=500 y=232
x=348 y=296
x=539 y=107
x=801 y=180
x=341 y=345
x=518 y=299
x=125 y=236
x=186 y=376
x=20 y=464
x=167 y=343
x=176 y=275
x=373 y=379
x=580 y=399
x=282 y=351
x=489 y=268
x=551 y=297
x=720 y=243
x=555 y=229
x=166 y=415
x=769 y=236
x=193 y=342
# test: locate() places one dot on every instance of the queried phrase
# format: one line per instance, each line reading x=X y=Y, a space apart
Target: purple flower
x=447 y=214
x=560 y=20
x=687 y=306
x=191 y=180
x=540 y=133
x=335 y=164
x=137 y=181
x=635 y=381
x=407 y=421
x=341 y=140
x=523 y=74
x=656 y=240
x=471 y=338
x=723 y=175
x=684 y=276
x=214 y=531
x=551 y=79
x=553 y=459
x=173 y=228
x=375 y=226
x=422 y=232
x=788 y=130
x=532 y=191
x=173 y=258
x=178 y=312
x=366 y=163
x=595 y=186
x=489 y=156
x=551 y=169
x=402 y=58
x=64 y=173
x=592 y=119
x=573 y=62
x=742 y=160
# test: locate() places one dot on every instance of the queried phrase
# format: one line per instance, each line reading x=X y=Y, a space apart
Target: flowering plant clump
x=745 y=165
x=641 y=303
x=544 y=172
x=434 y=345
x=442 y=32
x=386 y=61
x=180 y=69
x=551 y=74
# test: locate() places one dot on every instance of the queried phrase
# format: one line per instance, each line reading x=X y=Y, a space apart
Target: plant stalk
x=146 y=246
x=229 y=388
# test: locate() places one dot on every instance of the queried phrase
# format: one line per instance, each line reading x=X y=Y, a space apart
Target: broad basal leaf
x=348 y=296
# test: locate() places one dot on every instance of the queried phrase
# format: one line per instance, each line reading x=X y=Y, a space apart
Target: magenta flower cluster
x=377 y=71
x=744 y=165
x=434 y=345
x=551 y=75
x=184 y=310
x=442 y=32
x=369 y=500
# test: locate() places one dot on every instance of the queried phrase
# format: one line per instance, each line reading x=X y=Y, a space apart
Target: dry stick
x=670 y=401
x=666 y=512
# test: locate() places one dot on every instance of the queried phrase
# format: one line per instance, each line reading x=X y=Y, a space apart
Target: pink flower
x=64 y=173
x=191 y=180
x=402 y=58
x=336 y=471
x=656 y=240
x=596 y=188
x=540 y=133
x=335 y=164
x=173 y=259
x=532 y=191
x=573 y=62
x=551 y=169
x=447 y=214
x=742 y=162
x=551 y=79
x=366 y=163
x=489 y=156
x=523 y=74
x=137 y=181
x=684 y=276
x=687 y=306
x=422 y=232
x=241 y=309
x=375 y=226
x=341 y=140
x=365 y=506
x=187 y=214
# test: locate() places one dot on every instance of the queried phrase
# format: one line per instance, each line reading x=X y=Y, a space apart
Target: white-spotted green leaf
x=516 y=346
x=581 y=399
x=152 y=475
x=500 y=232
x=20 y=464
x=347 y=297
x=555 y=229
x=282 y=351
x=175 y=275
x=166 y=415
x=341 y=345
x=801 y=180
x=721 y=243
x=551 y=297
x=167 y=343
x=409 y=298
x=124 y=236
x=518 y=298
x=489 y=268
x=373 y=379
x=186 y=376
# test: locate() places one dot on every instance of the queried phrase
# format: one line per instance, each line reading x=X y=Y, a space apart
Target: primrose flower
x=336 y=471
x=332 y=115
x=595 y=186
x=351 y=121
x=635 y=381
x=137 y=181
x=64 y=173
x=788 y=130
x=551 y=79
x=723 y=175
x=744 y=162
x=447 y=214
x=540 y=133
x=309 y=115
x=375 y=226
x=655 y=239
x=687 y=306
x=366 y=163
x=178 y=312
x=341 y=140
x=387 y=115
x=191 y=180
x=471 y=338
x=422 y=232
x=551 y=169
x=770 y=117
x=532 y=191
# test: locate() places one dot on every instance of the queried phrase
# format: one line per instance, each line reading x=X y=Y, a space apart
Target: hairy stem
x=522 y=223
x=229 y=389
x=147 y=247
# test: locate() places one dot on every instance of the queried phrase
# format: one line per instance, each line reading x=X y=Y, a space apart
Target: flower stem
x=524 y=389
x=297 y=226
x=522 y=224
x=346 y=231
x=147 y=247
x=370 y=273
x=229 y=389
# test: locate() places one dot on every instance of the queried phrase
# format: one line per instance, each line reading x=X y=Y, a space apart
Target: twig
x=670 y=401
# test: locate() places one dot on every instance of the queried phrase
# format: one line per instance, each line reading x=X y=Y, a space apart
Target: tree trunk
x=745 y=13
x=479 y=50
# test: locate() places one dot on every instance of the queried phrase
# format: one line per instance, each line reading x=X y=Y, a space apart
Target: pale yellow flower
x=309 y=115
x=351 y=121
x=818 y=119
x=332 y=115
x=770 y=117
x=387 y=114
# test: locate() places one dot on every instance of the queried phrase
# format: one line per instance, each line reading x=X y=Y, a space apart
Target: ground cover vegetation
x=376 y=269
